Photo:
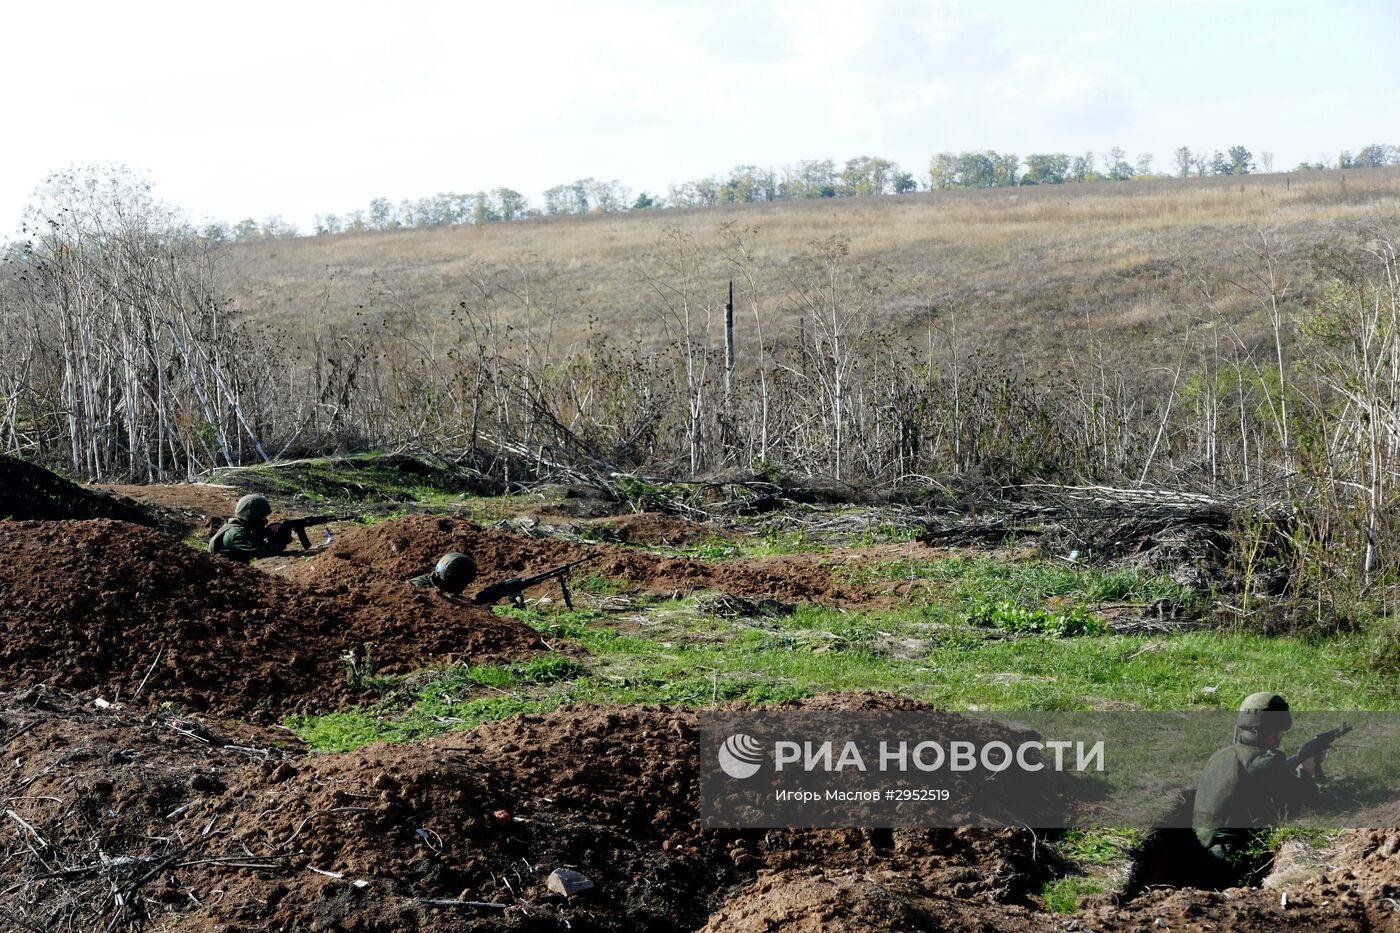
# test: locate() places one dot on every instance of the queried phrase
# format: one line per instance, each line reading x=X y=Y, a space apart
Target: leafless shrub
x=123 y=358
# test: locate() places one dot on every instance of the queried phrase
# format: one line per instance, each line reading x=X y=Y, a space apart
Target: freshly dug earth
x=200 y=504
x=104 y=605
x=28 y=491
x=1358 y=897
x=817 y=901
x=220 y=830
x=397 y=549
x=228 y=832
x=656 y=528
x=99 y=794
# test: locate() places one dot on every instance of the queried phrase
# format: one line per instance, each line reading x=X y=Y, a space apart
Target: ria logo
x=740 y=756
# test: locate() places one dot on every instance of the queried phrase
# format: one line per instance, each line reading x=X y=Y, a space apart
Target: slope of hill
x=1038 y=264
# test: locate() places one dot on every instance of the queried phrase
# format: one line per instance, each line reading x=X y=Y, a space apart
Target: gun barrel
x=1321 y=742
x=517 y=585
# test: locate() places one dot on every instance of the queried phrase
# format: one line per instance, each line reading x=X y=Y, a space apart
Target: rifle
x=512 y=588
x=1317 y=745
x=297 y=526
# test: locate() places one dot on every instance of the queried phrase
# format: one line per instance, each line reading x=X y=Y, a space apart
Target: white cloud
x=300 y=107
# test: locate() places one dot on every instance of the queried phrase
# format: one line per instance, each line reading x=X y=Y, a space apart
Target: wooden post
x=729 y=342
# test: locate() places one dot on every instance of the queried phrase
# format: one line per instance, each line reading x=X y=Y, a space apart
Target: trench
x=1173 y=858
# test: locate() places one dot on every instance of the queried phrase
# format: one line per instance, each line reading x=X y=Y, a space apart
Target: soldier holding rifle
x=1251 y=784
x=248 y=535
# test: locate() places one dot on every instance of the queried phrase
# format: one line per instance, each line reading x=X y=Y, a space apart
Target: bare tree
x=673 y=272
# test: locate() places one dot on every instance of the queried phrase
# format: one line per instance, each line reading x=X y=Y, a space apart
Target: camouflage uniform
x=246 y=536
x=1247 y=786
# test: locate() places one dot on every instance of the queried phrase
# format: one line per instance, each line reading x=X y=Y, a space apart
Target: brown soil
x=398 y=549
x=201 y=504
x=1356 y=898
x=481 y=816
x=97 y=604
x=28 y=491
x=230 y=833
x=816 y=901
x=656 y=528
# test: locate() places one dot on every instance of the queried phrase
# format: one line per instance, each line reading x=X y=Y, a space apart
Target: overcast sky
x=297 y=108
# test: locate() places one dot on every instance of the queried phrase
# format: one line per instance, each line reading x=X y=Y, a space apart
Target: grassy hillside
x=1034 y=266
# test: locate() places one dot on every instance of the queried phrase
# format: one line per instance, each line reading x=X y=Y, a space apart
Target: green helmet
x=252 y=507
x=455 y=572
x=1264 y=713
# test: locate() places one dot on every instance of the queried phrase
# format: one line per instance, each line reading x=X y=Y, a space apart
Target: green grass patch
x=1271 y=839
x=885 y=533
x=1027 y=582
x=350 y=729
x=1063 y=895
x=367 y=477
x=1056 y=623
x=419 y=706
x=600 y=585
x=671 y=652
x=778 y=542
x=769 y=543
x=422 y=480
x=1106 y=846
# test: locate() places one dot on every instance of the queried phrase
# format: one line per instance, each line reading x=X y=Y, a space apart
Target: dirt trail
x=395 y=550
x=98 y=604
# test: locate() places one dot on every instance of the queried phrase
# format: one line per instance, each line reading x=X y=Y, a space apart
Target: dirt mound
x=638 y=769
x=395 y=550
x=227 y=831
x=462 y=817
x=28 y=491
x=107 y=605
x=461 y=833
x=815 y=902
x=653 y=528
x=99 y=799
x=1338 y=902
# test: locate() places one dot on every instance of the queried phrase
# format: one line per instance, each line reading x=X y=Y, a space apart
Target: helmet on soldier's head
x=252 y=507
x=1265 y=713
x=454 y=572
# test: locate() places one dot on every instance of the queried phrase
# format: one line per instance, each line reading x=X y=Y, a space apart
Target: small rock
x=205 y=783
x=568 y=882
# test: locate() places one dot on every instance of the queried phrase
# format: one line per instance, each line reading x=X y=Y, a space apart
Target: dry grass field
x=1024 y=268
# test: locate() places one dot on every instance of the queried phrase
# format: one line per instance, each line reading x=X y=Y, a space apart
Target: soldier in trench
x=1248 y=786
x=248 y=536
